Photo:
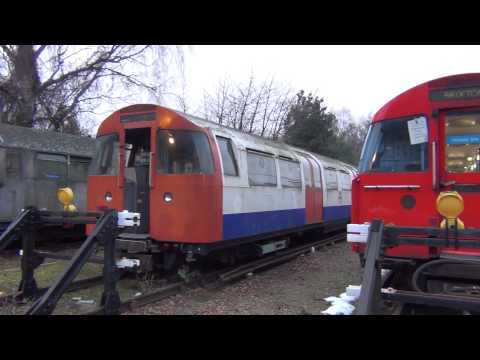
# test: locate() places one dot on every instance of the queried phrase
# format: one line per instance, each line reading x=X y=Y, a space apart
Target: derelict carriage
x=34 y=164
x=201 y=187
x=420 y=173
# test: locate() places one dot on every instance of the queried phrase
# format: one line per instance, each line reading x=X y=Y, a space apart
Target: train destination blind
x=455 y=94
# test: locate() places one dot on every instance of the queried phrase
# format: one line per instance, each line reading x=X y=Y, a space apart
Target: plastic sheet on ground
x=341 y=305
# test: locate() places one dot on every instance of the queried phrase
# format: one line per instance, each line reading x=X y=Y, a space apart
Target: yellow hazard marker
x=65 y=196
x=450 y=205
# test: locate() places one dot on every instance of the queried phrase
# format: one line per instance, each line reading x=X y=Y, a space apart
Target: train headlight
x=450 y=204
x=167 y=197
x=108 y=197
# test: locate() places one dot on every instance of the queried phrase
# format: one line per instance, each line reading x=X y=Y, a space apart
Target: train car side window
x=13 y=163
x=389 y=148
x=51 y=167
x=183 y=152
x=228 y=157
x=331 y=179
x=78 y=169
x=290 y=175
x=462 y=142
x=345 y=180
x=261 y=169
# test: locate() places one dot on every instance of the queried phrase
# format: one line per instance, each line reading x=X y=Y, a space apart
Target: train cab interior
x=137 y=174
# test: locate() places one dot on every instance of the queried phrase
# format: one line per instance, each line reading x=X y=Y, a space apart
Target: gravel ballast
x=293 y=288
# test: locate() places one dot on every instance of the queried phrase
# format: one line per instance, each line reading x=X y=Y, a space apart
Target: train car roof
x=421 y=99
x=250 y=140
x=47 y=141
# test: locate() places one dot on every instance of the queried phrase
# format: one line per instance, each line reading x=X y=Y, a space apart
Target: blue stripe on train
x=248 y=224
x=336 y=212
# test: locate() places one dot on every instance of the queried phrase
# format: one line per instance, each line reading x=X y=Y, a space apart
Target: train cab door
x=137 y=175
x=459 y=155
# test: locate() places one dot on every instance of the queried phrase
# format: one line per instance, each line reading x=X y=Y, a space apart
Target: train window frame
x=13 y=170
x=475 y=157
x=211 y=162
x=266 y=155
x=79 y=159
x=329 y=184
x=231 y=154
x=59 y=158
x=3 y=166
x=427 y=150
x=96 y=168
x=289 y=160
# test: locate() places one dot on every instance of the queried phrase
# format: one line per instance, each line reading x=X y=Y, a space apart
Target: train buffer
x=107 y=226
x=380 y=237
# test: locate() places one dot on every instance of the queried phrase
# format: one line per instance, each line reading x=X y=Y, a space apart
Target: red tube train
x=202 y=188
x=422 y=143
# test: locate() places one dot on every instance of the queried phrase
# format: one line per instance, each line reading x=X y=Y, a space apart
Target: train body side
x=222 y=203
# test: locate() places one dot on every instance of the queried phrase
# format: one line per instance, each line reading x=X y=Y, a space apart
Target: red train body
x=402 y=171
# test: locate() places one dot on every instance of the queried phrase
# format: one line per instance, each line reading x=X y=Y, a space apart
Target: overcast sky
x=361 y=78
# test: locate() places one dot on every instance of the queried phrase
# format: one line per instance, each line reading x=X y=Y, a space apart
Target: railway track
x=220 y=278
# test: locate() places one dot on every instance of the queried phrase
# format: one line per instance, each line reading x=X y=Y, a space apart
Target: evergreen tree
x=311 y=127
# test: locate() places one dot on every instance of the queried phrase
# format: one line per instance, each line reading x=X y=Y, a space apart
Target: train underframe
x=172 y=257
x=445 y=283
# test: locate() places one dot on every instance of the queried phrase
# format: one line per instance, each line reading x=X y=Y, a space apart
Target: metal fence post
x=110 y=297
x=370 y=295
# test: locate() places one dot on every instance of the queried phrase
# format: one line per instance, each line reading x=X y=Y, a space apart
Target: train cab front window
x=396 y=146
x=106 y=156
x=462 y=142
x=183 y=152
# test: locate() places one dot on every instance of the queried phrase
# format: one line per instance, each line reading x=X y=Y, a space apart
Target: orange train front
x=200 y=187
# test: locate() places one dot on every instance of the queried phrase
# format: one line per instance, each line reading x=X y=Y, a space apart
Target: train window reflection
x=388 y=149
x=51 y=167
x=261 y=169
x=462 y=142
x=290 y=175
x=105 y=161
x=183 y=152
x=228 y=158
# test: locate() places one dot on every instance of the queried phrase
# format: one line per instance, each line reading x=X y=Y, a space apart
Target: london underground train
x=422 y=154
x=201 y=187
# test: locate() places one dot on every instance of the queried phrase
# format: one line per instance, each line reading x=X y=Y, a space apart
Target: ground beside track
x=296 y=287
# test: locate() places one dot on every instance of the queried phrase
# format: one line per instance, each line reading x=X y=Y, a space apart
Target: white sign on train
x=418 y=131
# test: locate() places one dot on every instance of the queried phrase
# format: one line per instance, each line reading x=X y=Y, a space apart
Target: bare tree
x=51 y=86
x=255 y=107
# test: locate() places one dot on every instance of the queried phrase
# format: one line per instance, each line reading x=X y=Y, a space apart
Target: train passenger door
x=317 y=189
x=309 y=190
x=137 y=175
x=334 y=197
x=460 y=159
x=345 y=191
